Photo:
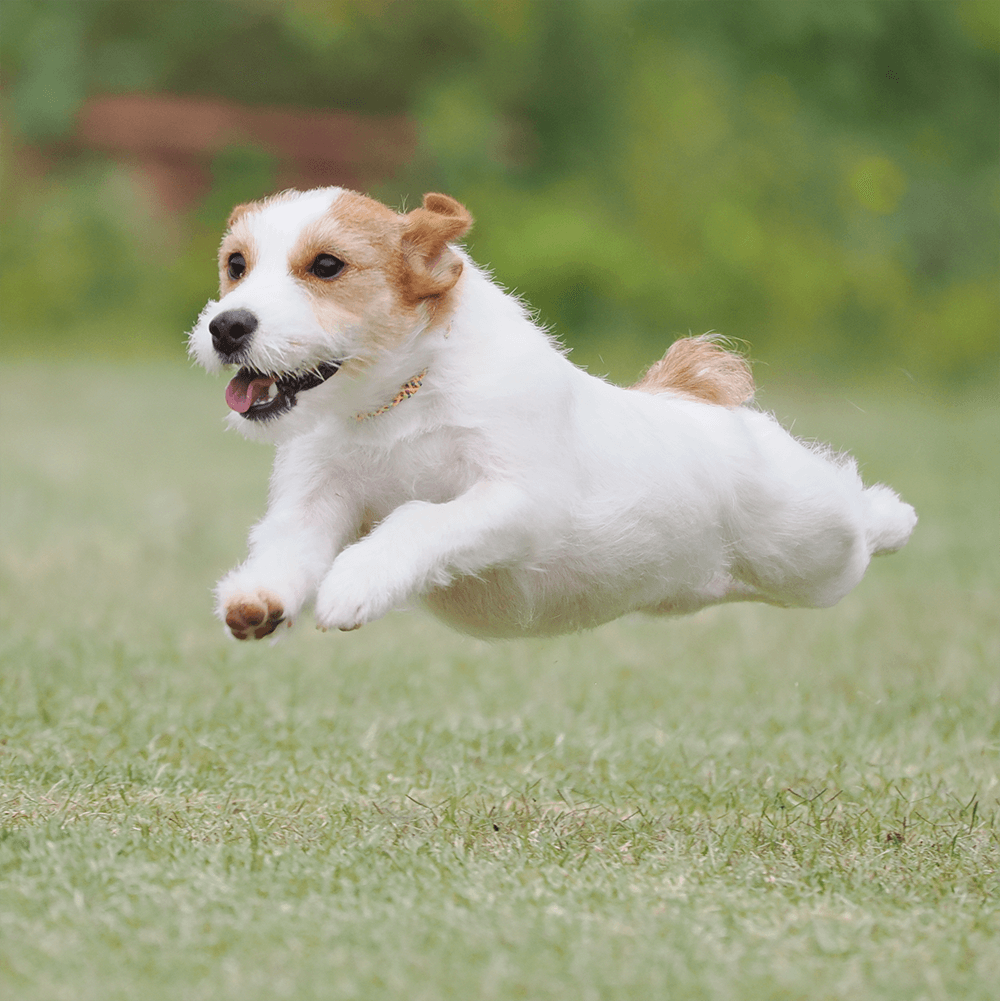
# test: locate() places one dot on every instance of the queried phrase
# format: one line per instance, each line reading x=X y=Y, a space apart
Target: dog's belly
x=500 y=603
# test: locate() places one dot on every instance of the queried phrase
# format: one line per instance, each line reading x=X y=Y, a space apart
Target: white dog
x=434 y=444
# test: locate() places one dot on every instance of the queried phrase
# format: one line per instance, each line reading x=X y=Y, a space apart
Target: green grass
x=748 y=803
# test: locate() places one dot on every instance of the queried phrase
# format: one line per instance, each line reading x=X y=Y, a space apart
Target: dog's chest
x=433 y=467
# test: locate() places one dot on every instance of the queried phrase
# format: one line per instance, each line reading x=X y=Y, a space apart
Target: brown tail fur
x=701 y=368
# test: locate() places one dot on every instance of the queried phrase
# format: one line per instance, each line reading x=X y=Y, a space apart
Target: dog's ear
x=430 y=267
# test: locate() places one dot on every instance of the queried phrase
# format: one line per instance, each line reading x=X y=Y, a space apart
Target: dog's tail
x=703 y=368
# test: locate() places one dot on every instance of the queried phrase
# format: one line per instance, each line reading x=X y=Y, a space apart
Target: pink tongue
x=243 y=392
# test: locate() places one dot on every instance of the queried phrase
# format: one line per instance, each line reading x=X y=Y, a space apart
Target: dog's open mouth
x=258 y=396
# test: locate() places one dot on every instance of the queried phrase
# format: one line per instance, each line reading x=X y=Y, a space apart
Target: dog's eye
x=236 y=266
x=326 y=266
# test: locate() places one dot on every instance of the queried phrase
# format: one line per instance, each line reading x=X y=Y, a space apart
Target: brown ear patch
x=429 y=267
x=701 y=368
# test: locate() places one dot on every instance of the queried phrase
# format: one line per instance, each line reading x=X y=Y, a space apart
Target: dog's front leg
x=290 y=551
x=423 y=545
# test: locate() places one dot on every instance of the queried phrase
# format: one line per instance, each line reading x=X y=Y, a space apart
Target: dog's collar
x=405 y=391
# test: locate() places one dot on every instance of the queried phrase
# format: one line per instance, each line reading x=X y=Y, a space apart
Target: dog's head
x=319 y=282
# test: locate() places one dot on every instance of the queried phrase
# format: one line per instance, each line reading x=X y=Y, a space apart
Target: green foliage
x=818 y=179
x=746 y=803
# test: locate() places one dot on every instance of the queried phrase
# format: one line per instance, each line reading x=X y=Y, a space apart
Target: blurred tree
x=817 y=178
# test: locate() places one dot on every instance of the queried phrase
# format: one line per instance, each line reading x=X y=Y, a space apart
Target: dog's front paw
x=356 y=591
x=256 y=615
x=343 y=611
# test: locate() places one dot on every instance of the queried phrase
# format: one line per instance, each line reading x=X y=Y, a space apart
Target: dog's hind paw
x=256 y=615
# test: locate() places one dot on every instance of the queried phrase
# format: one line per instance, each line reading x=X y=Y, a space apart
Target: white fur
x=515 y=494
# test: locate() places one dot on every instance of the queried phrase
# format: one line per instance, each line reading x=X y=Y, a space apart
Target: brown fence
x=172 y=141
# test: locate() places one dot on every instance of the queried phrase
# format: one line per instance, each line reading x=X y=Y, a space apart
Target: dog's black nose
x=231 y=331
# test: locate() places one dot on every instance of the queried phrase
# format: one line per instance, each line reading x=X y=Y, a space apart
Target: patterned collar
x=406 y=390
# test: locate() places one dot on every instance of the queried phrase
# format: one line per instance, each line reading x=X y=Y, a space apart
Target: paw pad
x=258 y=616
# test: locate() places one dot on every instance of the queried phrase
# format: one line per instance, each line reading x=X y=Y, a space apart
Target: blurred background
x=818 y=179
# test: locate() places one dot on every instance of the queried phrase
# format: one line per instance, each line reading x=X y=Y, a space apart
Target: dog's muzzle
x=253 y=394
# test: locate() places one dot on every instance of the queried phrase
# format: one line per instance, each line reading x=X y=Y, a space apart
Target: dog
x=434 y=444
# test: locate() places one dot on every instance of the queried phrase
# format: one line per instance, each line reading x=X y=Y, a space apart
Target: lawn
x=749 y=803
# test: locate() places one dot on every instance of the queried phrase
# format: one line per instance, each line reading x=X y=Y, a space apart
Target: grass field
x=746 y=804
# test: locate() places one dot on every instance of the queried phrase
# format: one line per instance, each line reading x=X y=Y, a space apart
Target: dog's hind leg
x=807 y=531
x=890 y=520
